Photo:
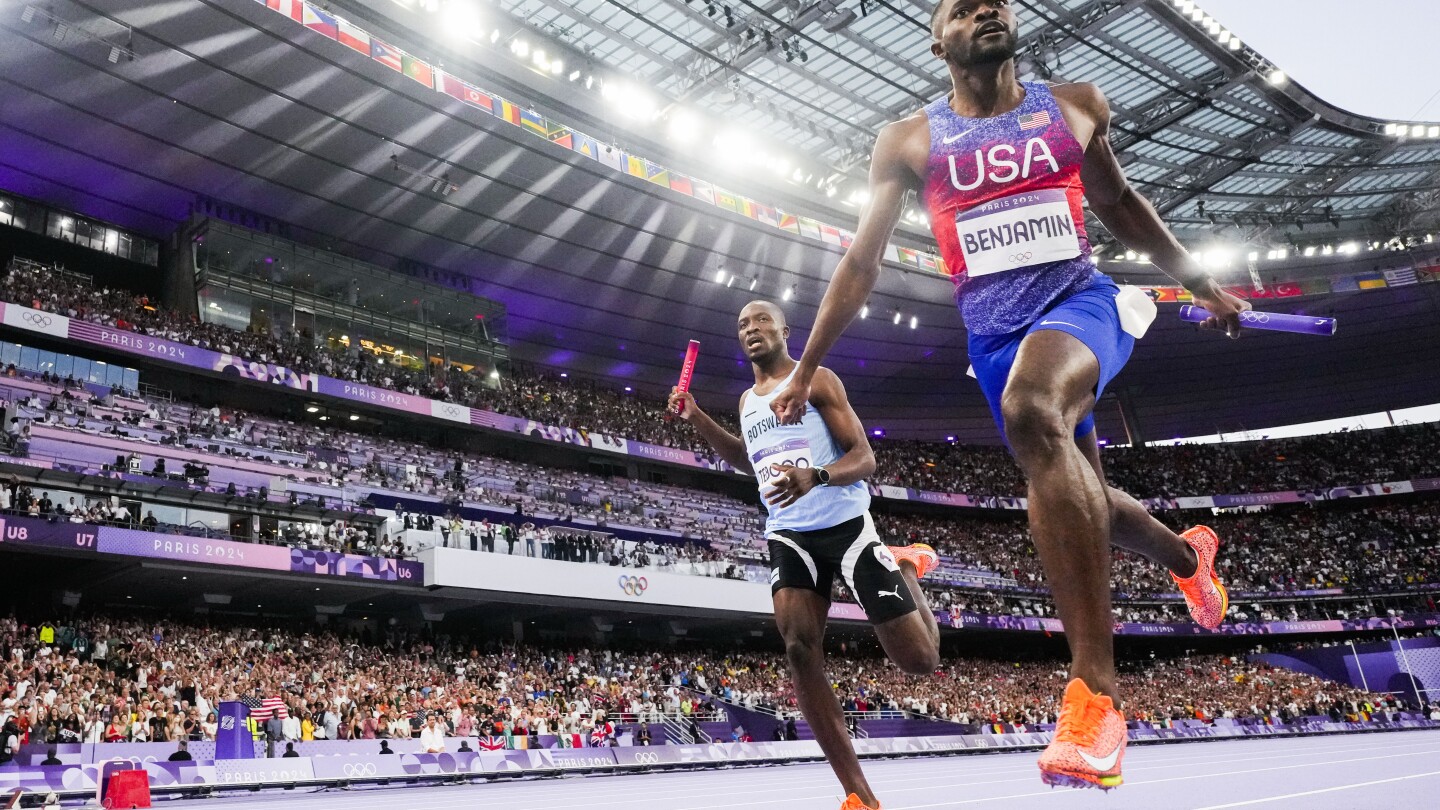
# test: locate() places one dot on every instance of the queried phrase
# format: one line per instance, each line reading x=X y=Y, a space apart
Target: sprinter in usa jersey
x=1004 y=169
x=811 y=473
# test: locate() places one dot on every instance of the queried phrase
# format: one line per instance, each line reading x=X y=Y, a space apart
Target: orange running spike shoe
x=1207 y=598
x=852 y=802
x=919 y=555
x=1089 y=742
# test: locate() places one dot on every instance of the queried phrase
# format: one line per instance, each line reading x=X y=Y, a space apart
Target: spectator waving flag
x=269 y=707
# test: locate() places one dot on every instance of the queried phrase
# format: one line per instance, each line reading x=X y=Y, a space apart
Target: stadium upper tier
x=1345 y=551
x=606 y=417
x=83 y=680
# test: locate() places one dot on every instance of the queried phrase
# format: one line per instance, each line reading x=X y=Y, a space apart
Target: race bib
x=795 y=452
x=1021 y=230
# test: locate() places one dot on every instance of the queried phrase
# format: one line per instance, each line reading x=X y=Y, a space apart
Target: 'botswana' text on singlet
x=1005 y=202
x=808 y=444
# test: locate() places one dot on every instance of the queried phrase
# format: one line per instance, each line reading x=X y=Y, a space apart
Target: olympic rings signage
x=634 y=586
x=1016 y=258
x=39 y=319
x=359 y=770
x=647 y=758
x=1251 y=316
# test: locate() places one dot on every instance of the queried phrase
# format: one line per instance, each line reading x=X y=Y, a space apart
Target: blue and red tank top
x=1006 y=205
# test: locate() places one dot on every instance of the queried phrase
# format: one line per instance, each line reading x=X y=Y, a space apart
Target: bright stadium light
x=684 y=126
x=914 y=321
x=897 y=317
x=556 y=67
x=733 y=146
x=520 y=48
x=1432 y=132
x=789 y=293
x=864 y=312
x=1282 y=253
x=720 y=276
x=460 y=19
x=1391 y=129
x=1277 y=77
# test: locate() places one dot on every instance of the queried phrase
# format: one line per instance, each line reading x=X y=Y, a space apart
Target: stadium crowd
x=1295 y=548
x=114 y=678
x=1306 y=463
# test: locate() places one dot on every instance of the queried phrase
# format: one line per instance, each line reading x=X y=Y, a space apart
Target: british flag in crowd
x=1034 y=120
x=263 y=709
x=490 y=743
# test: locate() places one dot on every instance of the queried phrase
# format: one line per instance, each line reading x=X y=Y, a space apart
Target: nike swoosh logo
x=1101 y=763
x=953 y=138
x=752 y=413
x=1062 y=323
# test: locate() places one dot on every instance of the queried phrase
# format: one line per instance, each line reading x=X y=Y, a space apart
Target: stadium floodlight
x=753 y=281
x=1433 y=132
x=28 y=14
x=556 y=67
x=1277 y=77
x=460 y=19
x=1391 y=129
x=1131 y=255
x=720 y=276
x=1282 y=253
x=1309 y=250
x=574 y=74
x=1225 y=37
x=1235 y=44
x=864 y=312
x=789 y=293
x=897 y=317
x=1349 y=248
x=1186 y=7
x=914 y=321
x=114 y=54
x=520 y=47
x=1197 y=15
x=684 y=126
x=1254 y=256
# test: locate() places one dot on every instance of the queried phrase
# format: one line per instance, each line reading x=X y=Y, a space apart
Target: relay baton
x=1270 y=321
x=688 y=370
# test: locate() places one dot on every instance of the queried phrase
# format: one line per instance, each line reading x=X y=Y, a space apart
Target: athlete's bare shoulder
x=1085 y=107
x=906 y=142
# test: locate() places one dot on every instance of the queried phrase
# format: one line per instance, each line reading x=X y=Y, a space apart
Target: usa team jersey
x=1006 y=206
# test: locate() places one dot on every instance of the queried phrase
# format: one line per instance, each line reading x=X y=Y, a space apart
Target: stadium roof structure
x=605 y=274
x=1211 y=132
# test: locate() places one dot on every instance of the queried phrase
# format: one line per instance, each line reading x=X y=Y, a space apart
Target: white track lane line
x=1321 y=790
x=1153 y=781
x=812 y=776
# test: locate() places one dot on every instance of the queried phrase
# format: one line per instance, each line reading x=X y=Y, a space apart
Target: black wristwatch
x=824 y=476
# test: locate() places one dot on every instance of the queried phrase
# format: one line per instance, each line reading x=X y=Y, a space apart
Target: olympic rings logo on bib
x=1016 y=258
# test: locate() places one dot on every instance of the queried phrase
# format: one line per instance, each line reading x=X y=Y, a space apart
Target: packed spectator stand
x=114 y=678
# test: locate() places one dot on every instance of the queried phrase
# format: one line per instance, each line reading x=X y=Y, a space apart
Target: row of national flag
x=328 y=25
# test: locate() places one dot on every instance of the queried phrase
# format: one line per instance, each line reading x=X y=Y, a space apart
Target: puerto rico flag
x=490 y=743
x=386 y=54
x=354 y=38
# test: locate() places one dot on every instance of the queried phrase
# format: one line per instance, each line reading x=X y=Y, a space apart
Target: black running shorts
x=853 y=550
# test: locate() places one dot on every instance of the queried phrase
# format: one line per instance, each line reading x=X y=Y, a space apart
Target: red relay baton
x=688 y=370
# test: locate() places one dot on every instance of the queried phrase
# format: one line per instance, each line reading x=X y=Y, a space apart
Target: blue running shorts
x=1090 y=315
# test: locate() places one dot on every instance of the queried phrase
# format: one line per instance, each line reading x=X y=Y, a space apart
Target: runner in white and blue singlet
x=811 y=476
x=1004 y=168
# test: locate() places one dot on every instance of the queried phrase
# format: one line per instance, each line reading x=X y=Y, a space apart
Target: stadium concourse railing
x=342 y=763
x=312 y=386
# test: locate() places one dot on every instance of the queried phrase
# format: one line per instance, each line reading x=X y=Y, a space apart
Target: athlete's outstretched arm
x=859 y=269
x=828 y=396
x=1135 y=222
x=728 y=445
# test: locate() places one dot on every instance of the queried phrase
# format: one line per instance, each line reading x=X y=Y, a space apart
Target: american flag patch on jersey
x=1034 y=120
